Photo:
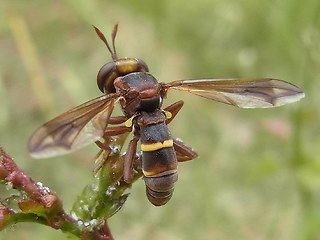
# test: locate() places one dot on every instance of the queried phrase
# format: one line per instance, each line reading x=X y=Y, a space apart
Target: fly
x=127 y=81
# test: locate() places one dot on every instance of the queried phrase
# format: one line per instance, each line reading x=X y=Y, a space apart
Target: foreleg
x=117 y=120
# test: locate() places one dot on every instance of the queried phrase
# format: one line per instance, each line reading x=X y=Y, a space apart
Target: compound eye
x=107 y=74
x=143 y=67
x=121 y=67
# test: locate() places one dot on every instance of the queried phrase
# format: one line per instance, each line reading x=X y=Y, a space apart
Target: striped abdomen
x=159 y=162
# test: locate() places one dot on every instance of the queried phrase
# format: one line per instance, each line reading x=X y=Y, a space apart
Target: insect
x=127 y=81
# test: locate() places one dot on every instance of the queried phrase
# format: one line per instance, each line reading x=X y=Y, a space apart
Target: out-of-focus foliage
x=258 y=175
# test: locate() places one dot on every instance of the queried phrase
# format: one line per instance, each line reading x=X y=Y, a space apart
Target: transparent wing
x=242 y=92
x=73 y=129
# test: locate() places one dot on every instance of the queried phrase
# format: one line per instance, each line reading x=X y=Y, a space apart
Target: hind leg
x=183 y=152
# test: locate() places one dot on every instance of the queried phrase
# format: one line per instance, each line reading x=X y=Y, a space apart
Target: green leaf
x=106 y=195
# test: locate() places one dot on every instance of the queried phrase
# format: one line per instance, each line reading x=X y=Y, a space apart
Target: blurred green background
x=258 y=174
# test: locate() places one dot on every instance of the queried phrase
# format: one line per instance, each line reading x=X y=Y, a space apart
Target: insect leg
x=114 y=131
x=104 y=146
x=173 y=109
x=100 y=162
x=183 y=152
x=117 y=120
x=128 y=160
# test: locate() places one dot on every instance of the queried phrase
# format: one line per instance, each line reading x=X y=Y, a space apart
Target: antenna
x=113 y=36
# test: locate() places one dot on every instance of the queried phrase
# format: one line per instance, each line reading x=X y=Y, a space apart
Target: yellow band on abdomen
x=156 y=146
